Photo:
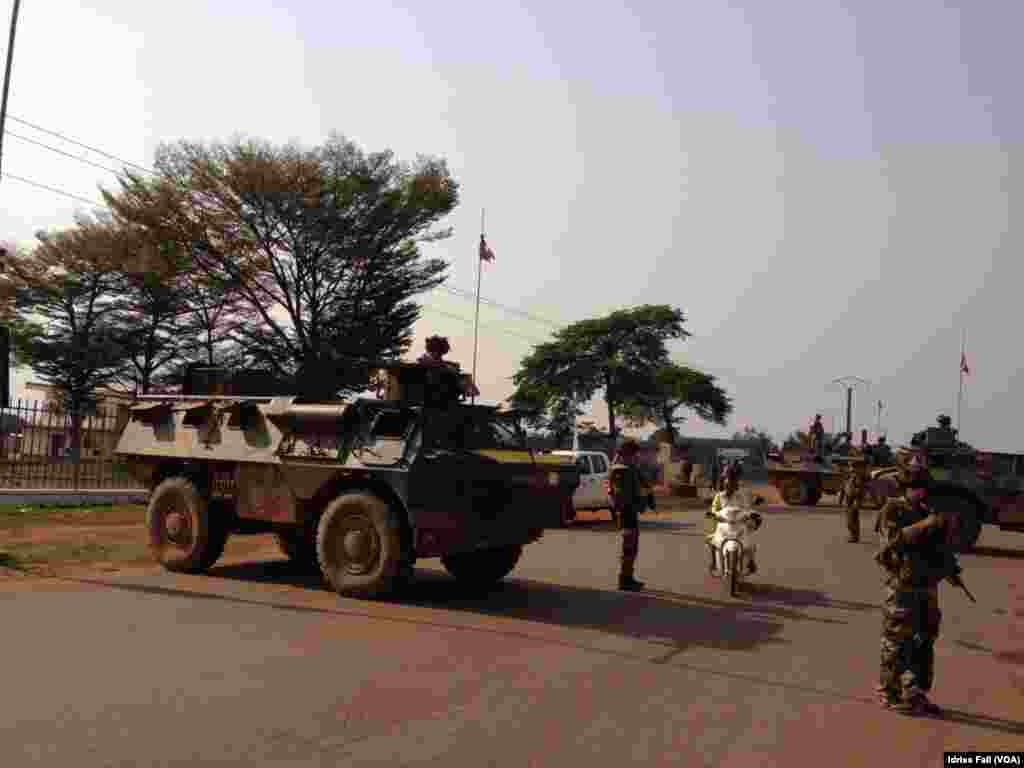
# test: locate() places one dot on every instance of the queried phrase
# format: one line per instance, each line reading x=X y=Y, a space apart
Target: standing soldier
x=628 y=499
x=817 y=435
x=854 y=495
x=882 y=453
x=916 y=557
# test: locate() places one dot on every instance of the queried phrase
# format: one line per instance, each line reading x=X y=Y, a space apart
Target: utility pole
x=5 y=343
x=849 y=383
x=7 y=78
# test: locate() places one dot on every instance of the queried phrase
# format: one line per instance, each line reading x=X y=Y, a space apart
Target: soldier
x=853 y=495
x=916 y=557
x=716 y=468
x=882 y=453
x=817 y=435
x=437 y=348
x=628 y=499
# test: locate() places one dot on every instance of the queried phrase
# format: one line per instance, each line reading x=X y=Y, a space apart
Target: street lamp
x=849 y=382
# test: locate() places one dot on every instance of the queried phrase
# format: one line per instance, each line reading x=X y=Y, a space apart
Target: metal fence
x=35 y=449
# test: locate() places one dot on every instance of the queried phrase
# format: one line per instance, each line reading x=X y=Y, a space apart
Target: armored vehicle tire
x=484 y=566
x=795 y=491
x=183 y=536
x=359 y=546
x=299 y=544
x=965 y=519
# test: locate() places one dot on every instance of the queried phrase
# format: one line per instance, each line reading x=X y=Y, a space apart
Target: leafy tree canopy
x=320 y=245
x=614 y=353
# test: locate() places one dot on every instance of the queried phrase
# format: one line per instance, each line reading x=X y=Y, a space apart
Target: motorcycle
x=731 y=540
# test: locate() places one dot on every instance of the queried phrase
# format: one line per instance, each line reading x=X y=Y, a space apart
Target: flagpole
x=476 y=321
x=960 y=394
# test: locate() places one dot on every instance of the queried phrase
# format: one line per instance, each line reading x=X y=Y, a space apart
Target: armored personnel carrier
x=361 y=488
x=975 y=487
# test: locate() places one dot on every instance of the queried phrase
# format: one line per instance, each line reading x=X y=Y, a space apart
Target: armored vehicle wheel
x=183 y=535
x=299 y=544
x=964 y=520
x=794 y=491
x=359 y=546
x=484 y=566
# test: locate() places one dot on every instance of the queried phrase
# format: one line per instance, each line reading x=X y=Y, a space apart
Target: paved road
x=257 y=664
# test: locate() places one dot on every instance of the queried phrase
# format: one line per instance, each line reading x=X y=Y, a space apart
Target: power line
x=464 y=294
x=61 y=152
x=48 y=188
x=81 y=144
x=470 y=322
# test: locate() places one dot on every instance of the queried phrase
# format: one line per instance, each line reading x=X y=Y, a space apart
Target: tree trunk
x=609 y=398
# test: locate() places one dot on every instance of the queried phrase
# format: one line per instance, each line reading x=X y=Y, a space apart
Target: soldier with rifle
x=917 y=556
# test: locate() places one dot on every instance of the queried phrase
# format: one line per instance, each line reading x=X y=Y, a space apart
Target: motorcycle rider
x=728 y=497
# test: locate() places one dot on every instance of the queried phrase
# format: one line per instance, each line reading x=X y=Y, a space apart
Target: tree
x=152 y=318
x=671 y=387
x=321 y=246
x=72 y=281
x=613 y=353
x=555 y=417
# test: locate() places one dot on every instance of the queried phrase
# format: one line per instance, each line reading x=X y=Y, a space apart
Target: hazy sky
x=825 y=188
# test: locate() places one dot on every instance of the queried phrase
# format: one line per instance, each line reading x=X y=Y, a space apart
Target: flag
x=486 y=254
x=963 y=364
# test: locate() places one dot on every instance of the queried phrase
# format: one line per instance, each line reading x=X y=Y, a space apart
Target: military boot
x=630 y=584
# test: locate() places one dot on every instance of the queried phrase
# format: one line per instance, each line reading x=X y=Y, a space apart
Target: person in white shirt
x=728 y=497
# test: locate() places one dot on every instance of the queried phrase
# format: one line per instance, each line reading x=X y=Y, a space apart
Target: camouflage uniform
x=854 y=496
x=915 y=560
x=817 y=435
x=629 y=496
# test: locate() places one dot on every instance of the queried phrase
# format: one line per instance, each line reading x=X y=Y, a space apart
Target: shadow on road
x=1012 y=727
x=646 y=525
x=669 y=620
x=1014 y=554
x=803 y=598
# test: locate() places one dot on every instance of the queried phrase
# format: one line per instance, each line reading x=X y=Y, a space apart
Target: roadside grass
x=12 y=561
x=16 y=517
x=32 y=555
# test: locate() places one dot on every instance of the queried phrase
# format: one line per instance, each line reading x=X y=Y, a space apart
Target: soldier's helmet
x=438 y=345
x=881 y=439
x=944 y=421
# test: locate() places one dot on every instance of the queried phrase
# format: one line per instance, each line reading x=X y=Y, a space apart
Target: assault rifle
x=953 y=578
